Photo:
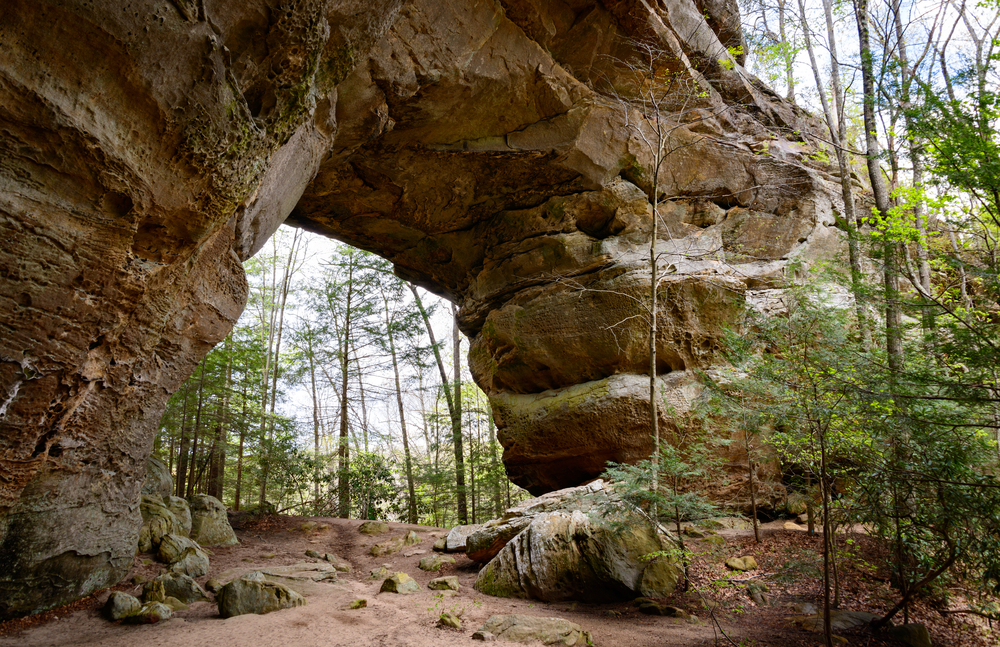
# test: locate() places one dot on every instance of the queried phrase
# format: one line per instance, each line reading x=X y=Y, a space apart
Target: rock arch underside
x=147 y=148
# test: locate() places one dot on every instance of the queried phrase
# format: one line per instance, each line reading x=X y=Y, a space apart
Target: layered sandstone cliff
x=148 y=147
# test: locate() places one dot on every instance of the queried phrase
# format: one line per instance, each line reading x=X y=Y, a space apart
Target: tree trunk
x=890 y=275
x=344 y=450
x=456 y=426
x=197 y=429
x=411 y=508
x=182 y=449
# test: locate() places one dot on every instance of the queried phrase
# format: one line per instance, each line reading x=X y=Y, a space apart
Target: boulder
x=912 y=634
x=183 y=555
x=571 y=556
x=182 y=513
x=741 y=563
x=373 y=528
x=448 y=619
x=387 y=547
x=174 y=604
x=656 y=608
x=180 y=586
x=435 y=562
x=121 y=605
x=157 y=520
x=454 y=541
x=446 y=583
x=244 y=595
x=411 y=538
x=209 y=523
x=548 y=631
x=150 y=613
x=158 y=481
x=399 y=583
x=576 y=544
x=359 y=603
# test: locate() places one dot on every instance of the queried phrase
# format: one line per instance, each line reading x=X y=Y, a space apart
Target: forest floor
x=789 y=560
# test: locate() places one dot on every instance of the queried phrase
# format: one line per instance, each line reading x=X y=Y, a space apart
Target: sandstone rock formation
x=581 y=543
x=148 y=148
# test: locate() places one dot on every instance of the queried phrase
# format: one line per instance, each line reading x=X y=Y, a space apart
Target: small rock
x=413 y=552
x=213 y=585
x=150 y=613
x=449 y=620
x=653 y=608
x=549 y=631
x=315 y=554
x=742 y=563
x=138 y=580
x=174 y=604
x=121 y=605
x=457 y=536
x=360 y=603
x=339 y=564
x=411 y=538
x=804 y=608
x=446 y=583
x=373 y=528
x=440 y=545
x=715 y=540
x=387 y=547
x=913 y=634
x=179 y=586
x=378 y=573
x=309 y=526
x=694 y=532
x=400 y=583
x=485 y=636
x=791 y=525
x=758 y=593
x=266 y=556
x=154 y=591
x=435 y=562
x=244 y=595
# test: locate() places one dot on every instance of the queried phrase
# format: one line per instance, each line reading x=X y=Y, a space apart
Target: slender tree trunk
x=411 y=508
x=753 y=493
x=456 y=426
x=344 y=451
x=454 y=407
x=786 y=53
x=183 y=448
x=312 y=382
x=197 y=429
x=239 y=454
x=890 y=275
x=824 y=494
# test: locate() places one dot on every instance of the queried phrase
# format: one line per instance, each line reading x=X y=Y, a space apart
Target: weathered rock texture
x=148 y=147
x=580 y=543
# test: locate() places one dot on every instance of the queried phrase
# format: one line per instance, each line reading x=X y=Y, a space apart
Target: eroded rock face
x=147 y=151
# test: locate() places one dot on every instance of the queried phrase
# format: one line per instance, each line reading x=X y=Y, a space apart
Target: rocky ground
x=787 y=563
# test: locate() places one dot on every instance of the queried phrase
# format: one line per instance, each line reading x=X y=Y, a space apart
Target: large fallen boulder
x=157 y=521
x=245 y=595
x=455 y=541
x=209 y=523
x=183 y=555
x=594 y=556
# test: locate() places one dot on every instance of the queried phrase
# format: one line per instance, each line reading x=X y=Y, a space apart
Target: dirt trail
x=389 y=619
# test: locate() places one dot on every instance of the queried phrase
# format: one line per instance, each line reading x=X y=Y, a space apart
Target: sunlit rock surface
x=148 y=147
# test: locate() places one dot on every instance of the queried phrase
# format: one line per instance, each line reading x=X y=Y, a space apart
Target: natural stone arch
x=147 y=148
